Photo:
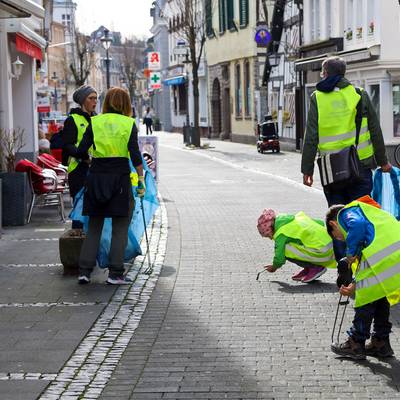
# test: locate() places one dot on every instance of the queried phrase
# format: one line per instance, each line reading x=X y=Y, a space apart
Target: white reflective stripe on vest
x=380 y=255
x=377 y=279
x=364 y=144
x=342 y=136
x=306 y=257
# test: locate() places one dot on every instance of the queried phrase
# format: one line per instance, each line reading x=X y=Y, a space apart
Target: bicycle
x=397 y=154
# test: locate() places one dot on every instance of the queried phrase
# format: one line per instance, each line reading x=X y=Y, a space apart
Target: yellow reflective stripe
x=307 y=257
x=379 y=278
x=341 y=136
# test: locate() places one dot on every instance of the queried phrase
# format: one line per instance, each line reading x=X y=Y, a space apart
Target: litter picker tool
x=149 y=269
x=259 y=273
x=344 y=303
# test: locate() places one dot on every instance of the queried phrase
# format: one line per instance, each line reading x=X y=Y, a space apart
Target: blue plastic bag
x=386 y=190
x=136 y=227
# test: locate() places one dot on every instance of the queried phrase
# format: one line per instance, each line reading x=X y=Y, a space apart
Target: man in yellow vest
x=331 y=127
x=373 y=236
x=74 y=127
x=298 y=239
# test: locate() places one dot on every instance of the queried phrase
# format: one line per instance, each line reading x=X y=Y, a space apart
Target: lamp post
x=55 y=79
x=106 y=42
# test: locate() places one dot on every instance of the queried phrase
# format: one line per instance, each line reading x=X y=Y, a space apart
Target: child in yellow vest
x=300 y=240
x=373 y=235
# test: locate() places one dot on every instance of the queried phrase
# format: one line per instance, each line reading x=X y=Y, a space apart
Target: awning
x=25 y=46
x=20 y=9
x=27 y=40
x=176 y=80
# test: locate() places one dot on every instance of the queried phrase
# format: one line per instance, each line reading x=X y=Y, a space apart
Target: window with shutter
x=231 y=14
x=244 y=12
x=209 y=27
x=222 y=15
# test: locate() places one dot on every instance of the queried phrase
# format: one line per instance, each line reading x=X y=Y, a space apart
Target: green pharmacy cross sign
x=155 y=80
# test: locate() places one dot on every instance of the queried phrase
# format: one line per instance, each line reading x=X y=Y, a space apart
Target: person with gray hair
x=74 y=127
x=331 y=127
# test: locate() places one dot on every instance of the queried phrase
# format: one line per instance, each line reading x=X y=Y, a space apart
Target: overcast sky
x=130 y=17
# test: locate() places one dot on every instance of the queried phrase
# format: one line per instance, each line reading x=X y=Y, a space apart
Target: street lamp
x=55 y=79
x=106 y=42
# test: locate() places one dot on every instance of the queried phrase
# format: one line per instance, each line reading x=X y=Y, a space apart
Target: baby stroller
x=268 y=136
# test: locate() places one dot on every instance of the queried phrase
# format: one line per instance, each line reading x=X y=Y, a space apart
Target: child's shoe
x=313 y=273
x=350 y=349
x=83 y=280
x=119 y=280
x=300 y=275
x=379 y=348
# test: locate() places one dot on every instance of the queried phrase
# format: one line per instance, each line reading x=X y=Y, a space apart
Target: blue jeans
x=377 y=311
x=346 y=195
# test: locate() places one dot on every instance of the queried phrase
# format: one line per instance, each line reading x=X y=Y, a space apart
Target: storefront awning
x=27 y=41
x=176 y=80
x=20 y=9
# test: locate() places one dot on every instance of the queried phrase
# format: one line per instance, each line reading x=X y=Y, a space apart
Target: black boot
x=379 y=348
x=350 y=349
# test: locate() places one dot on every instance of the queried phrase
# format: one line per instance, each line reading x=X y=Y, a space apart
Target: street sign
x=180 y=51
x=154 y=61
x=155 y=80
x=180 y=42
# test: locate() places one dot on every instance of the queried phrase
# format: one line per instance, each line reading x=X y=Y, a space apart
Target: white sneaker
x=121 y=280
x=83 y=279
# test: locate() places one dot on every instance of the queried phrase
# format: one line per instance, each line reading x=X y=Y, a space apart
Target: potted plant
x=371 y=28
x=359 y=32
x=15 y=185
x=349 y=34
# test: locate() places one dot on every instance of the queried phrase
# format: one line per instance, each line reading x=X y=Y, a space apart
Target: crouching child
x=373 y=236
x=300 y=240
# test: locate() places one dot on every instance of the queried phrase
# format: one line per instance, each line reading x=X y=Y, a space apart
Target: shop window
x=396 y=109
x=182 y=99
x=238 y=90
x=247 y=95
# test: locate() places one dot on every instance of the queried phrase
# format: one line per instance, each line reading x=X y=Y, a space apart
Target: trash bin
x=186 y=134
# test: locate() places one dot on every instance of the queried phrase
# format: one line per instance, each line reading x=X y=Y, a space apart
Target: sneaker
x=120 y=280
x=300 y=275
x=313 y=273
x=379 y=348
x=349 y=349
x=83 y=280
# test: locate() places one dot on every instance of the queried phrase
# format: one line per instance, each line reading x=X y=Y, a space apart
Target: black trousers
x=377 y=312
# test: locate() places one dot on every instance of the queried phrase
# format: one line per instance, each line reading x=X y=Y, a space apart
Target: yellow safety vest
x=81 y=124
x=336 y=122
x=316 y=245
x=111 y=133
x=378 y=275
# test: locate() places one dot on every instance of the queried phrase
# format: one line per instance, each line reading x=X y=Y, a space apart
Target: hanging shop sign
x=262 y=37
x=154 y=61
x=155 y=80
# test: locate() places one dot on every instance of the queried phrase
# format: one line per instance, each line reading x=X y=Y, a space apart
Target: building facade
x=21 y=40
x=233 y=70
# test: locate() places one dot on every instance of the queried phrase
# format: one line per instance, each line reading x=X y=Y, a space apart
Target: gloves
x=345 y=275
x=141 y=187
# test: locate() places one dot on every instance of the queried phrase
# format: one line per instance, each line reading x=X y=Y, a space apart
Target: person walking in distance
x=148 y=121
x=74 y=128
x=331 y=127
x=108 y=192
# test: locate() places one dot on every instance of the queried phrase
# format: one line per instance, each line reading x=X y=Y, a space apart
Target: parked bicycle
x=397 y=155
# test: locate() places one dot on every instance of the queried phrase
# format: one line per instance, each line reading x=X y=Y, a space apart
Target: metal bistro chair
x=46 y=191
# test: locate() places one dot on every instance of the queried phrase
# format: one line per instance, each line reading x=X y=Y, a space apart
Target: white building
x=365 y=33
x=179 y=78
x=19 y=22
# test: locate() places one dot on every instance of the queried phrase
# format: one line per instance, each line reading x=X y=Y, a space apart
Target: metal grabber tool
x=342 y=303
x=149 y=269
x=259 y=273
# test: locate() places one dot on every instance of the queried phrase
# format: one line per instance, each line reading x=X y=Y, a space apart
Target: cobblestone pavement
x=200 y=327
x=210 y=331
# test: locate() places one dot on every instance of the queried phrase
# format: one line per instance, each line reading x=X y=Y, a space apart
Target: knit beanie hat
x=82 y=92
x=266 y=222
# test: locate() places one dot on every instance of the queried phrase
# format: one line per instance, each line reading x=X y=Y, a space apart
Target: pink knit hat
x=266 y=222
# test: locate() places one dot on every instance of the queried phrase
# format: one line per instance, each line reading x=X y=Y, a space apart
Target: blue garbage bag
x=136 y=227
x=386 y=190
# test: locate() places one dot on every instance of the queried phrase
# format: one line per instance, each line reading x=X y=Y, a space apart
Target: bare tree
x=82 y=60
x=192 y=28
x=132 y=58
